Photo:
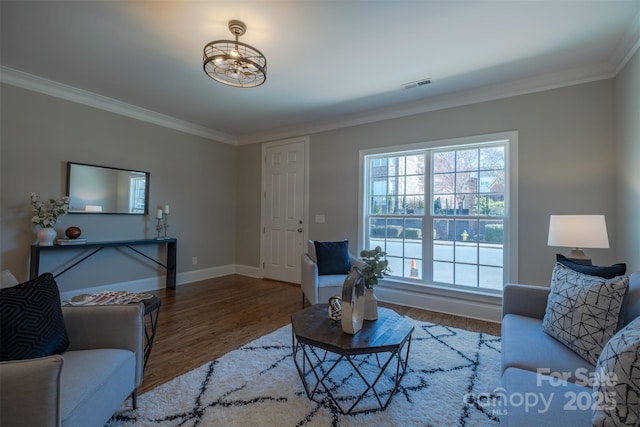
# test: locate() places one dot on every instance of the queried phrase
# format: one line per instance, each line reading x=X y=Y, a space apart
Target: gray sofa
x=532 y=397
x=87 y=383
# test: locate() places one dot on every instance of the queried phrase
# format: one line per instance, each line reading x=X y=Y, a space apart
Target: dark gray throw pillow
x=333 y=257
x=31 y=322
x=582 y=311
x=606 y=272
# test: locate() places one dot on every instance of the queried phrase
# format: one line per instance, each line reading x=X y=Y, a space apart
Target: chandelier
x=234 y=63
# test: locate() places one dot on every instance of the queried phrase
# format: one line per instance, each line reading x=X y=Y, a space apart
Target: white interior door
x=284 y=202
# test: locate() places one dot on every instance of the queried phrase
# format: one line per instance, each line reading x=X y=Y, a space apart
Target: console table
x=95 y=247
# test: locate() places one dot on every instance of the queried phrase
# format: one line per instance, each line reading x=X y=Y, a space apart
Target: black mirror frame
x=146 y=190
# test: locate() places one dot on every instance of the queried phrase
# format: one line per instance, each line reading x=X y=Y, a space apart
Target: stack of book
x=78 y=241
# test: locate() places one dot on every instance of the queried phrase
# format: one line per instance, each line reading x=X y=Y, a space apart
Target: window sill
x=466 y=302
x=472 y=293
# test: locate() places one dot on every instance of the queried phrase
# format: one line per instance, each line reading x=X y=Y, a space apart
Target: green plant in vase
x=375 y=267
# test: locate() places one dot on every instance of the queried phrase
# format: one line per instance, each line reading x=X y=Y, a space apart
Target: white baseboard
x=154 y=283
x=489 y=310
x=246 y=270
x=204 y=274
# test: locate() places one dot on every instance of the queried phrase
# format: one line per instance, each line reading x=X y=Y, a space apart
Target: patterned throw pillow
x=31 y=322
x=617 y=380
x=582 y=311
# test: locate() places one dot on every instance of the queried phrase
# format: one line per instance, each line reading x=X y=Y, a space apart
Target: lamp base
x=578 y=256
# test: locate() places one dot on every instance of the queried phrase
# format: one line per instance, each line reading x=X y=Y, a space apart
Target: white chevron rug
x=450 y=380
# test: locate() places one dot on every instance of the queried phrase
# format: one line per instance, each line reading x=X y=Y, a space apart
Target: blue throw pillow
x=31 y=322
x=333 y=257
x=606 y=272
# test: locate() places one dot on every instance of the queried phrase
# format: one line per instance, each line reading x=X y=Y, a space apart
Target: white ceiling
x=330 y=63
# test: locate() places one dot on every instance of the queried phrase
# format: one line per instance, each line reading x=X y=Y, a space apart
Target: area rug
x=450 y=380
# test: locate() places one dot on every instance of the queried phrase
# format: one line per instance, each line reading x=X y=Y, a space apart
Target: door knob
x=299 y=230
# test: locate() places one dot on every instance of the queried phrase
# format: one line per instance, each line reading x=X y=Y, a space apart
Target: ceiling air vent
x=418 y=83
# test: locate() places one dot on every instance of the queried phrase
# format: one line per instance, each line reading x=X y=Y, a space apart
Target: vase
x=352 y=311
x=370 y=305
x=46 y=236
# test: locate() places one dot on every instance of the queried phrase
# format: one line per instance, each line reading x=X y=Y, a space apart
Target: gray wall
x=249 y=184
x=566 y=165
x=195 y=176
x=578 y=153
x=628 y=138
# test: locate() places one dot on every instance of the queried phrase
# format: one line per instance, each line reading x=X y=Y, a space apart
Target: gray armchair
x=86 y=384
x=318 y=288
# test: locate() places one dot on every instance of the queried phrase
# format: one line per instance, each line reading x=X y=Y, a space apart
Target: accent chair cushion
x=528 y=347
x=606 y=272
x=617 y=379
x=582 y=311
x=333 y=257
x=31 y=322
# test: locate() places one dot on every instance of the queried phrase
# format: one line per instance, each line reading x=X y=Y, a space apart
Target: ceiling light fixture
x=234 y=63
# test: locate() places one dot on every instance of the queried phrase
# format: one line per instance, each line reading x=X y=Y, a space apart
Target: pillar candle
x=159 y=214
x=166 y=209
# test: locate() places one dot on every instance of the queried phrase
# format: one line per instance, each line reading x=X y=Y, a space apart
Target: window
x=441 y=211
x=137 y=194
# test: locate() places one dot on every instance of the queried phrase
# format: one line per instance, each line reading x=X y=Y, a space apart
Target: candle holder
x=159 y=228
x=166 y=224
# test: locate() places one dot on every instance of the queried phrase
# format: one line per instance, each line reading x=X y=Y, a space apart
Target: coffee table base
x=334 y=378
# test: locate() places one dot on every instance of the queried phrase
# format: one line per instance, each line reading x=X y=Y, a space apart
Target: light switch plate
x=319 y=219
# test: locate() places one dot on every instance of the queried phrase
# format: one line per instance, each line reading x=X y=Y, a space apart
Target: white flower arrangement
x=46 y=214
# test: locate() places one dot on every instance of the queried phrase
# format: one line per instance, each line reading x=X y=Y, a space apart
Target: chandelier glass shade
x=234 y=63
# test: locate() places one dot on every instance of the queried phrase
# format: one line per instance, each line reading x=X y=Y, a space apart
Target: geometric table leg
x=308 y=363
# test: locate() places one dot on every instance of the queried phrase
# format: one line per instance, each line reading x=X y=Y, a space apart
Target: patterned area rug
x=450 y=378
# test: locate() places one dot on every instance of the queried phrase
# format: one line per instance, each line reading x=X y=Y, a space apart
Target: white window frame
x=511 y=208
x=133 y=187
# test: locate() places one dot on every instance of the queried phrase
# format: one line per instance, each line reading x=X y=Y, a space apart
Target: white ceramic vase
x=370 y=305
x=46 y=236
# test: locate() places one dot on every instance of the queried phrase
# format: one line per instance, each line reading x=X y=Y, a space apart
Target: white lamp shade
x=578 y=231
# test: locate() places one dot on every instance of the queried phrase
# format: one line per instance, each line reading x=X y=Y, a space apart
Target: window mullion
x=472 y=177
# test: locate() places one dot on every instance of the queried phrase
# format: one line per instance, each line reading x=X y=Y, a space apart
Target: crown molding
x=472 y=96
x=605 y=70
x=628 y=46
x=49 y=87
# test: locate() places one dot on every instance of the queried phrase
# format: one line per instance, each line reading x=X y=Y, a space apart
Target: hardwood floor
x=202 y=321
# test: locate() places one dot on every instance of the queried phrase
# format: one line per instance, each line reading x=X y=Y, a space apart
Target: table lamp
x=577 y=232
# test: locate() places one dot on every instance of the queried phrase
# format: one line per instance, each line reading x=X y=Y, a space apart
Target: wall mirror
x=101 y=189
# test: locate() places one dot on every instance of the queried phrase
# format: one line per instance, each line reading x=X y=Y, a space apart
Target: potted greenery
x=46 y=214
x=374 y=267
